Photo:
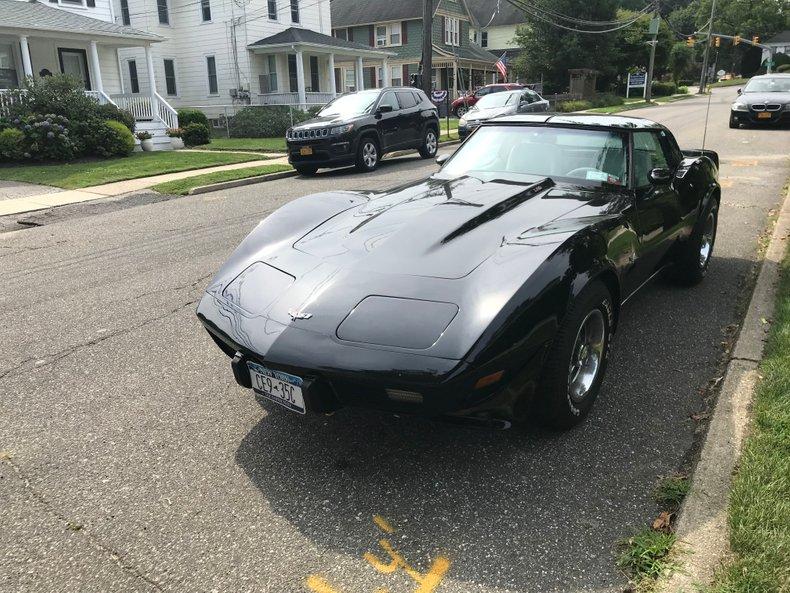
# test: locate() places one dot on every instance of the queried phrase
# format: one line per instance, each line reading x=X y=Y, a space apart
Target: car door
x=659 y=217
x=409 y=133
x=388 y=122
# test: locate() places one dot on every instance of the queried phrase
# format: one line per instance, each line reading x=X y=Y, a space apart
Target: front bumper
x=464 y=131
x=335 y=151
x=781 y=116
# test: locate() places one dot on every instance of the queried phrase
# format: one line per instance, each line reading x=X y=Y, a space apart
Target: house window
x=452 y=27
x=211 y=71
x=8 y=75
x=272 y=6
x=125 y=13
x=314 y=75
x=396 y=76
x=341 y=34
x=293 y=85
x=134 y=81
x=484 y=39
x=381 y=36
x=170 y=77
x=351 y=80
x=388 y=34
x=163 y=11
x=272 y=75
x=294 y=11
x=72 y=2
x=205 y=10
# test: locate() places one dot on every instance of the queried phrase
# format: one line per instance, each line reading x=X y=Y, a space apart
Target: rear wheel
x=430 y=144
x=306 y=170
x=367 y=154
x=692 y=262
x=461 y=110
x=576 y=363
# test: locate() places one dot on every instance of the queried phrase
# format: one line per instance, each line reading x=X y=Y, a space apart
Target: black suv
x=359 y=128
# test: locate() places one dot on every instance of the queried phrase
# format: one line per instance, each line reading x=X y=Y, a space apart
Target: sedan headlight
x=462 y=122
x=738 y=106
x=338 y=130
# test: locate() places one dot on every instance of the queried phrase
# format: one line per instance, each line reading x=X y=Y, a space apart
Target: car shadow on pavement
x=518 y=509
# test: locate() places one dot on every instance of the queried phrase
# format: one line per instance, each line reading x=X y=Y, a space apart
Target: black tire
x=367 y=161
x=734 y=123
x=569 y=388
x=430 y=144
x=306 y=170
x=693 y=259
x=460 y=111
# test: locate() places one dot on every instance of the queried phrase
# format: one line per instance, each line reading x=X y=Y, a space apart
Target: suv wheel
x=367 y=154
x=430 y=144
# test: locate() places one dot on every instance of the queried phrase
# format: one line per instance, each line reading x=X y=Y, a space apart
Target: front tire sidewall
x=429 y=149
x=689 y=270
x=363 y=164
x=556 y=408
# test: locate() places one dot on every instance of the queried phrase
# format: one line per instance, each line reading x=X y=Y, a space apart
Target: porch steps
x=158 y=132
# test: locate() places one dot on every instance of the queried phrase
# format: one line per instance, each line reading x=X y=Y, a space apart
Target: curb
x=202 y=189
x=702 y=527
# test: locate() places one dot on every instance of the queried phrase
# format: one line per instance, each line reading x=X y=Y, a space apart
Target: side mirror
x=384 y=109
x=739 y=91
x=441 y=159
x=660 y=176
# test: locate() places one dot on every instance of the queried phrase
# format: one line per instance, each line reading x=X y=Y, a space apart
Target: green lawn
x=731 y=82
x=639 y=104
x=99 y=171
x=181 y=187
x=251 y=144
x=759 y=513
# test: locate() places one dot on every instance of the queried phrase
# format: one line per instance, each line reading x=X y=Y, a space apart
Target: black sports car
x=486 y=293
x=764 y=100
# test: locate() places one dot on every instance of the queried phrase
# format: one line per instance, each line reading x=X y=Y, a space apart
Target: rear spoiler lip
x=697 y=152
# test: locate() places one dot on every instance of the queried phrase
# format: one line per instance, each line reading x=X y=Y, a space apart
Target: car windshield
x=512 y=152
x=497 y=100
x=774 y=84
x=350 y=105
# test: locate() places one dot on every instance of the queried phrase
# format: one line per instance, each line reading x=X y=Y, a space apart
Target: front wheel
x=461 y=110
x=367 y=154
x=576 y=363
x=692 y=262
x=430 y=144
x=734 y=123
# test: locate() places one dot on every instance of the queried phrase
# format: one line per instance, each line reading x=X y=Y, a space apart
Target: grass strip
x=639 y=104
x=247 y=144
x=731 y=82
x=181 y=187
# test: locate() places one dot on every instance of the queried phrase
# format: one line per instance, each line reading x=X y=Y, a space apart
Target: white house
x=495 y=28
x=227 y=52
x=80 y=38
x=779 y=44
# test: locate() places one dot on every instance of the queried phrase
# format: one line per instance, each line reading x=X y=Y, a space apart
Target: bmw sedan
x=764 y=100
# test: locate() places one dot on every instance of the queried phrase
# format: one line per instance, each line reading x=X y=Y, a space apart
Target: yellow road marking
x=743 y=163
x=383 y=524
x=319 y=585
x=427 y=582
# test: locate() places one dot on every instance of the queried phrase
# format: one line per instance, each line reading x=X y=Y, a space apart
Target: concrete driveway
x=133 y=462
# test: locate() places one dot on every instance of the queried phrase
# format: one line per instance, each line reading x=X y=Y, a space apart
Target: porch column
x=300 y=80
x=149 y=63
x=27 y=65
x=331 y=66
x=385 y=67
x=94 y=53
x=360 y=75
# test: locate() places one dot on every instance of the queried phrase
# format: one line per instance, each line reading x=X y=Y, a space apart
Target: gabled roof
x=472 y=52
x=782 y=37
x=37 y=16
x=296 y=36
x=484 y=10
x=346 y=13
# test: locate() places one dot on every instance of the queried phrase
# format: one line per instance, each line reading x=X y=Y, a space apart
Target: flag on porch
x=501 y=65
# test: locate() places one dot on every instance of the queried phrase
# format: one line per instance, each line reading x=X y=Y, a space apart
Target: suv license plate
x=306 y=150
x=279 y=387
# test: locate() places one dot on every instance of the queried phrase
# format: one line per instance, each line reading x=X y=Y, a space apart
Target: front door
x=74 y=62
x=389 y=122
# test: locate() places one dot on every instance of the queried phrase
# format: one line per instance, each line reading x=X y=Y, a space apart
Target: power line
x=538 y=13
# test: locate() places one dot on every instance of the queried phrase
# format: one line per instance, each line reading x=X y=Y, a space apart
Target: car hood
x=323 y=122
x=463 y=243
x=484 y=114
x=751 y=98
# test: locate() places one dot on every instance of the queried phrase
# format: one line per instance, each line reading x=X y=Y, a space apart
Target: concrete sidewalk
x=61 y=198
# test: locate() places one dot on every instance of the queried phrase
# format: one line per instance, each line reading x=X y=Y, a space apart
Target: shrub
x=143 y=135
x=188 y=116
x=265 y=122
x=568 y=106
x=46 y=137
x=115 y=113
x=112 y=138
x=11 y=141
x=174 y=132
x=196 y=134
x=56 y=95
x=606 y=100
x=683 y=90
x=783 y=68
x=663 y=89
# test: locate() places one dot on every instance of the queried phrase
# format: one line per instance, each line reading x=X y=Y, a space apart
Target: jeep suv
x=359 y=128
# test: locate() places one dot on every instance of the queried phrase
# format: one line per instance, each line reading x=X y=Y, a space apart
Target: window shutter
x=90 y=3
x=405 y=76
x=404 y=29
x=372 y=74
x=372 y=35
x=444 y=27
x=351 y=34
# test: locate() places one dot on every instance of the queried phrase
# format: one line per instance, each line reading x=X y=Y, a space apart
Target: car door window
x=671 y=150
x=389 y=99
x=648 y=155
x=483 y=92
x=406 y=99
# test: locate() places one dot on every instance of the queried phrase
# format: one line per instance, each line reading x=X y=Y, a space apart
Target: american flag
x=501 y=65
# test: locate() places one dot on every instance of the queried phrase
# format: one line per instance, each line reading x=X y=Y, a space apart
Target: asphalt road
x=131 y=461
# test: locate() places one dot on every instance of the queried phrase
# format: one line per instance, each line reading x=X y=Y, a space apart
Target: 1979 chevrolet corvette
x=487 y=293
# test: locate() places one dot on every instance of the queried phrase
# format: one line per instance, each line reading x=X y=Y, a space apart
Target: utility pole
x=427 y=46
x=654 y=25
x=704 y=74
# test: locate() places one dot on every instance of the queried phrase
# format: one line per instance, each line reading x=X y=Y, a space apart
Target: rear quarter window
x=406 y=99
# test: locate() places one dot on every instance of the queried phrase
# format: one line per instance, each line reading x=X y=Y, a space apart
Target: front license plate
x=306 y=150
x=763 y=115
x=279 y=387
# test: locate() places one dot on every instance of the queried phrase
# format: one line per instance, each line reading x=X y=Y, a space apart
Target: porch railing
x=138 y=105
x=293 y=98
x=8 y=97
x=167 y=114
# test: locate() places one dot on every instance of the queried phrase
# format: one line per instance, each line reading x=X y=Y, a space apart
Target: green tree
x=631 y=50
x=681 y=57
